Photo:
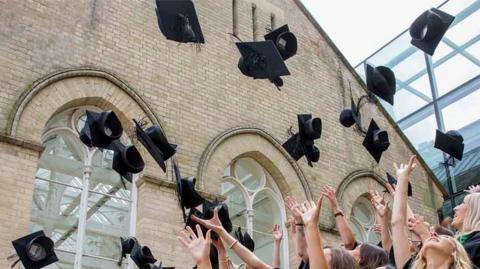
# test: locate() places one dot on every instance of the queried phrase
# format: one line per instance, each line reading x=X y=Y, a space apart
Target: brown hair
x=439 y=229
x=372 y=256
x=341 y=259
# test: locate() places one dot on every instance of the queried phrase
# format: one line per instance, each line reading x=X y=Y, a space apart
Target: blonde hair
x=471 y=221
x=460 y=258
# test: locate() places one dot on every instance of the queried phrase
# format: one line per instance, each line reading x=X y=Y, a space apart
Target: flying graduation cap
x=35 y=250
x=155 y=141
x=101 y=129
x=381 y=82
x=178 y=21
x=393 y=181
x=127 y=160
x=351 y=115
x=262 y=60
x=451 y=143
x=429 y=28
x=223 y=214
x=188 y=197
x=127 y=244
x=284 y=40
x=142 y=255
x=245 y=239
x=376 y=141
x=303 y=143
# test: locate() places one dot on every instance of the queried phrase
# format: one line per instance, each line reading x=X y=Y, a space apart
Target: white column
x=82 y=218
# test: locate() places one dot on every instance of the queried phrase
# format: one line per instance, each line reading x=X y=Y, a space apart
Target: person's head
x=372 y=256
x=467 y=214
x=446 y=222
x=442 y=249
x=440 y=230
x=339 y=258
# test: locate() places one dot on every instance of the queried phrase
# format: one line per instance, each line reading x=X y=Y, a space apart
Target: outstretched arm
x=197 y=245
x=223 y=260
x=382 y=218
x=242 y=252
x=277 y=241
x=342 y=225
x=311 y=215
x=299 y=235
x=399 y=213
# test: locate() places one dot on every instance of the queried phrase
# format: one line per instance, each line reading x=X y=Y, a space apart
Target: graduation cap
x=188 y=197
x=350 y=116
x=429 y=28
x=245 y=239
x=126 y=160
x=155 y=141
x=35 y=250
x=261 y=60
x=101 y=129
x=154 y=266
x=381 y=82
x=142 y=256
x=302 y=143
x=376 y=141
x=223 y=214
x=393 y=181
x=284 y=40
x=178 y=21
x=451 y=143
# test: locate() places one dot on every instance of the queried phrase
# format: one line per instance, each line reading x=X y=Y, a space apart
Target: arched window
x=363 y=220
x=255 y=204
x=79 y=201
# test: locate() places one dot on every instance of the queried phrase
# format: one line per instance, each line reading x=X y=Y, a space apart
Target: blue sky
x=360 y=27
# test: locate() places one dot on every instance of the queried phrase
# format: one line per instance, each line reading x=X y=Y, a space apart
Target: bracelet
x=233 y=244
x=339 y=213
x=299 y=224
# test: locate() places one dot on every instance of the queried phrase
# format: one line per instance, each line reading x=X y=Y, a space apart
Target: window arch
x=255 y=204
x=363 y=220
x=79 y=201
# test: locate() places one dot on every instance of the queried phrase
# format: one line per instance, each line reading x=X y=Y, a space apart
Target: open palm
x=197 y=245
x=213 y=223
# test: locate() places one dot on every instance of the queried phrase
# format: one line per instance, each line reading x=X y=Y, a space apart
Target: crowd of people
x=407 y=240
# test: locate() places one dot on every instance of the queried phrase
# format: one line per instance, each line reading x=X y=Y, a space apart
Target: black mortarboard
x=376 y=141
x=309 y=129
x=188 y=197
x=245 y=239
x=35 y=250
x=223 y=214
x=178 y=21
x=381 y=82
x=142 y=255
x=155 y=141
x=451 y=143
x=101 y=129
x=127 y=160
x=429 y=28
x=261 y=60
x=393 y=181
x=284 y=40
x=350 y=116
x=127 y=244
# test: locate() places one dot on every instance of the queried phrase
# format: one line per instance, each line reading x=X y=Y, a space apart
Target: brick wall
x=197 y=95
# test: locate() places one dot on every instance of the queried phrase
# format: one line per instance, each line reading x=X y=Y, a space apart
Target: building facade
x=60 y=58
x=440 y=92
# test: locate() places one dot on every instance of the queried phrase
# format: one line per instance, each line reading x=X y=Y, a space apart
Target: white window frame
x=87 y=155
x=249 y=196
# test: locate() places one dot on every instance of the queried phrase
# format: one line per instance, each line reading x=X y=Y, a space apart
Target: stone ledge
x=155 y=180
x=21 y=143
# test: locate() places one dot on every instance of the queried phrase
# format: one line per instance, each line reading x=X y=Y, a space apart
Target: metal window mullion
x=82 y=218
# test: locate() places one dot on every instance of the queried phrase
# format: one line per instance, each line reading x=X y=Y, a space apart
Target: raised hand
x=473 y=189
x=378 y=202
x=291 y=204
x=418 y=226
x=213 y=223
x=329 y=192
x=310 y=211
x=377 y=228
x=404 y=170
x=277 y=233
x=198 y=246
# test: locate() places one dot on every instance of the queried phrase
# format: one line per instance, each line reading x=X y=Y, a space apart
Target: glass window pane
x=249 y=173
x=410 y=66
x=104 y=179
x=107 y=219
x=387 y=56
x=474 y=50
x=464 y=30
x=409 y=103
x=442 y=50
x=357 y=230
x=463 y=112
x=454 y=7
x=363 y=211
x=236 y=205
x=266 y=213
x=50 y=212
x=454 y=73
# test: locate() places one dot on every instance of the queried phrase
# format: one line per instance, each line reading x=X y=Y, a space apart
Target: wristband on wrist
x=339 y=213
x=299 y=224
x=233 y=244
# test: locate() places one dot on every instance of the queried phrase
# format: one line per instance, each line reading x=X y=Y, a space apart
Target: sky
x=360 y=27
